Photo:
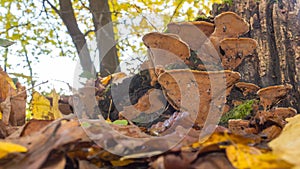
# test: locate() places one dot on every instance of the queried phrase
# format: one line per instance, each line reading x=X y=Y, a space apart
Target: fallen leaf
x=120 y=122
x=244 y=156
x=5 y=108
x=287 y=143
x=224 y=138
x=34 y=126
x=8 y=87
x=55 y=109
x=42 y=109
x=18 y=107
x=6 y=148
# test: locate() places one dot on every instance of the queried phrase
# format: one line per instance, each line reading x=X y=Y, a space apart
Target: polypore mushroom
x=194 y=91
x=193 y=33
x=228 y=25
x=235 y=50
x=284 y=112
x=273 y=94
x=240 y=127
x=166 y=49
x=152 y=102
x=247 y=88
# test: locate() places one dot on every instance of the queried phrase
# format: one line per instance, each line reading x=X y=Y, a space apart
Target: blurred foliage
x=38 y=32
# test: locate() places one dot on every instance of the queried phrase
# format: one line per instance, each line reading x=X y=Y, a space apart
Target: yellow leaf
x=0 y=115
x=6 y=148
x=221 y=138
x=54 y=109
x=287 y=144
x=40 y=107
x=116 y=76
x=120 y=163
x=243 y=156
x=10 y=81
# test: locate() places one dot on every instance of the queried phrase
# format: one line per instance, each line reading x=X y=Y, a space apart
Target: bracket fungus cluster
x=198 y=45
x=194 y=64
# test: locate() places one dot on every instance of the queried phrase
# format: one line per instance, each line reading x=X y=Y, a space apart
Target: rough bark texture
x=67 y=15
x=249 y=68
x=105 y=36
x=275 y=26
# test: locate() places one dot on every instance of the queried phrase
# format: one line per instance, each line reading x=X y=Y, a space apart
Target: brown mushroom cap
x=247 y=87
x=165 y=49
x=192 y=91
x=273 y=94
x=193 y=33
x=284 y=112
x=149 y=103
x=235 y=50
x=228 y=25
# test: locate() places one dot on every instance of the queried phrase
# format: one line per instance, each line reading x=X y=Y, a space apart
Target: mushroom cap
x=273 y=94
x=235 y=50
x=165 y=49
x=193 y=33
x=230 y=24
x=151 y=102
x=193 y=91
x=284 y=112
x=247 y=87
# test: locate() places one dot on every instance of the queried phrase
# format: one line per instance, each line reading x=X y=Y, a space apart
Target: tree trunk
x=68 y=17
x=105 y=37
x=275 y=26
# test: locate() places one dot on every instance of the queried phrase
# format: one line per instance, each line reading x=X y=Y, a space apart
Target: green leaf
x=5 y=43
x=121 y=122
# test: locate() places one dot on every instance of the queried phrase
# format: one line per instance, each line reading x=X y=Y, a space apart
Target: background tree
x=40 y=27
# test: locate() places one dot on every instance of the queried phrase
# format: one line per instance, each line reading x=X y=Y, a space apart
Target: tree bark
x=105 y=37
x=275 y=26
x=68 y=17
x=273 y=69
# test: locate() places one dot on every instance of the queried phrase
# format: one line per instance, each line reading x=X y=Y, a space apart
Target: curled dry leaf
x=286 y=145
x=235 y=50
x=8 y=87
x=56 y=136
x=34 y=126
x=269 y=96
x=5 y=108
x=18 y=106
x=192 y=91
x=244 y=156
x=165 y=49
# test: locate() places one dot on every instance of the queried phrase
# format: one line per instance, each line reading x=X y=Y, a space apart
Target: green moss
x=238 y=112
